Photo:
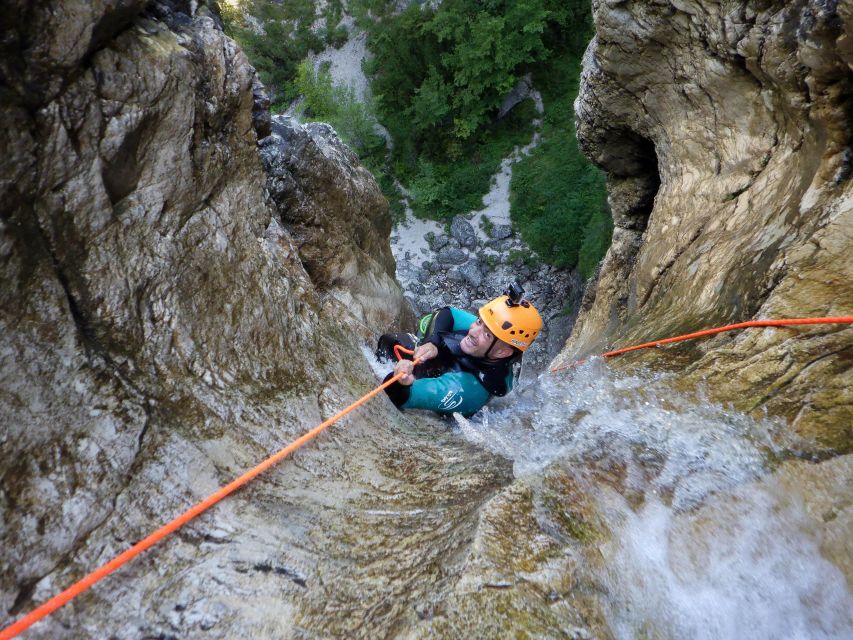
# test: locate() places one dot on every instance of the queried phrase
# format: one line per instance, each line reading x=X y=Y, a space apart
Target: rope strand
x=82 y=585
x=710 y=332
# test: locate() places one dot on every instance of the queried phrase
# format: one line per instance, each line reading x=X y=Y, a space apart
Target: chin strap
x=491 y=346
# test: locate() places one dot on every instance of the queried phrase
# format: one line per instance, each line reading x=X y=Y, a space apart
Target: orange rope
x=79 y=587
x=710 y=332
x=398 y=348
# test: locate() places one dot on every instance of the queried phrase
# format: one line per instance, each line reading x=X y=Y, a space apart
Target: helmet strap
x=491 y=346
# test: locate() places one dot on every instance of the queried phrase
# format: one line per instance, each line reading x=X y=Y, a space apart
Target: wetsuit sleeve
x=445 y=320
x=462 y=320
x=454 y=392
x=442 y=322
x=398 y=393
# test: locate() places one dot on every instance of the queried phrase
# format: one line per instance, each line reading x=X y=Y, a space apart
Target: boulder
x=436 y=242
x=339 y=219
x=500 y=231
x=463 y=232
x=451 y=256
x=471 y=273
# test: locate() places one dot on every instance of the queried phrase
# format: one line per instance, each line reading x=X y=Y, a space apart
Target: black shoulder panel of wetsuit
x=399 y=393
x=442 y=322
x=494 y=380
x=491 y=374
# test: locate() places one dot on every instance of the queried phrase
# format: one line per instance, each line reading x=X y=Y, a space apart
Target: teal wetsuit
x=452 y=382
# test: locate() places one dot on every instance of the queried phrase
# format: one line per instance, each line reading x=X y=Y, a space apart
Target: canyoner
x=466 y=359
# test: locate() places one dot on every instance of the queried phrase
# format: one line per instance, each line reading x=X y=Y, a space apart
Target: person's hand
x=426 y=351
x=406 y=367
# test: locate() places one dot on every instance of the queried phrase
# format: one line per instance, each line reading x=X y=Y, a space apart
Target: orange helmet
x=517 y=324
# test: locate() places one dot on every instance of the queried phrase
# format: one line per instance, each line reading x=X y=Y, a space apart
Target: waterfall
x=705 y=540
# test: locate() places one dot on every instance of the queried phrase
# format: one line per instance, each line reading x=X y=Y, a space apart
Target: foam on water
x=743 y=566
x=697 y=447
x=381 y=369
x=713 y=550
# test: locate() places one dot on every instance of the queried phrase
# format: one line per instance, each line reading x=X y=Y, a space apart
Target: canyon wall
x=159 y=332
x=725 y=131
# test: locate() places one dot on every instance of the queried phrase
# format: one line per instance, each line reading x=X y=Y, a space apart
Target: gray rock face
x=463 y=232
x=726 y=144
x=159 y=335
x=339 y=219
x=261 y=118
x=144 y=278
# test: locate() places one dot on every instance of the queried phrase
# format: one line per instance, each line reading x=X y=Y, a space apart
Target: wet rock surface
x=726 y=141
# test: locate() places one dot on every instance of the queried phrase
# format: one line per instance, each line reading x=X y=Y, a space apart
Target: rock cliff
x=340 y=221
x=177 y=304
x=158 y=331
x=725 y=131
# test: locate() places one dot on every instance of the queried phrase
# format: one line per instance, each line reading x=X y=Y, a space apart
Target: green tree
x=279 y=36
x=487 y=46
x=453 y=66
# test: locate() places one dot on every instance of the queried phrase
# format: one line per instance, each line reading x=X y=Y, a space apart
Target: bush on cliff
x=557 y=196
x=277 y=36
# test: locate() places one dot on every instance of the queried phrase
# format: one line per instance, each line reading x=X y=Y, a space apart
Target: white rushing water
x=704 y=542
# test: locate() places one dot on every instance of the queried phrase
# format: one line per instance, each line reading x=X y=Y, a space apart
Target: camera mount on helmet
x=514 y=294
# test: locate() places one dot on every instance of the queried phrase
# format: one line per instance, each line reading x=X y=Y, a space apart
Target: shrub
x=558 y=198
x=285 y=38
x=337 y=105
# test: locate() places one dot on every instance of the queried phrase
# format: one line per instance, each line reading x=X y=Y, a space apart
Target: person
x=466 y=359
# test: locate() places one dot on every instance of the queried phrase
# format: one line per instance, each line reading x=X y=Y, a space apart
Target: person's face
x=478 y=340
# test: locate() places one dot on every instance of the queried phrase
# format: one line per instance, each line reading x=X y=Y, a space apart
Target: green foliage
x=338 y=105
x=596 y=240
x=453 y=66
x=557 y=196
x=333 y=33
x=520 y=257
x=286 y=38
x=443 y=189
x=484 y=46
x=316 y=90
